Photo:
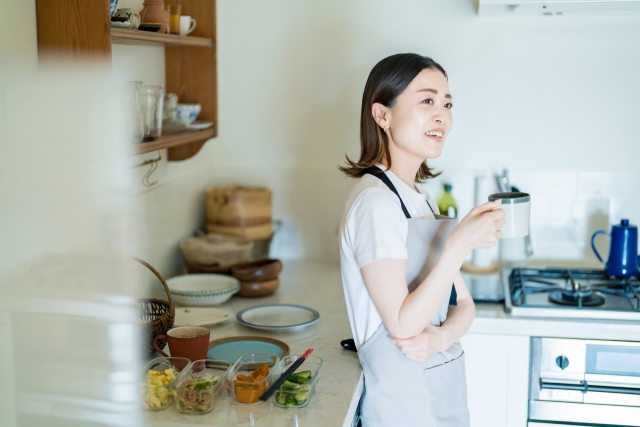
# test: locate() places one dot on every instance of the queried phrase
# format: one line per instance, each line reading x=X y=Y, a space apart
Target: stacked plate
x=203 y=289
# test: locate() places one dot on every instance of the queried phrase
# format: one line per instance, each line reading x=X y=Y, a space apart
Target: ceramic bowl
x=152 y=27
x=202 y=289
x=257 y=271
x=258 y=289
x=187 y=113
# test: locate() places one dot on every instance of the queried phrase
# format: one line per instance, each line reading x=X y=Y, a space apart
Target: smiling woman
x=399 y=257
x=387 y=81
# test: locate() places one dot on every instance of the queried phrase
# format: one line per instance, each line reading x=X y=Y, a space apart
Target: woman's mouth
x=435 y=135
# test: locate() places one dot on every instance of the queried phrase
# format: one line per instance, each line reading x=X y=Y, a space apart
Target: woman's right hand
x=480 y=228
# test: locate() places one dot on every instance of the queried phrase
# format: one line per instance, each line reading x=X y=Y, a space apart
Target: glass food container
x=300 y=387
x=159 y=379
x=249 y=377
x=151 y=99
x=202 y=387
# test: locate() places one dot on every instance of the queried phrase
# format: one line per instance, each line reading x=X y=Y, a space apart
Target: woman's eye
x=428 y=101
x=448 y=105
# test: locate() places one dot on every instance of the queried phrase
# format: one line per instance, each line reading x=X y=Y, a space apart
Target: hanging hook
x=152 y=169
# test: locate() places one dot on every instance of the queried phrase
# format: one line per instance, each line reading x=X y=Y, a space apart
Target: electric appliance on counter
x=584 y=381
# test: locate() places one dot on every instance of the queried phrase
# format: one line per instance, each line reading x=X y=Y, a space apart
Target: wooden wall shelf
x=80 y=30
x=137 y=37
x=174 y=140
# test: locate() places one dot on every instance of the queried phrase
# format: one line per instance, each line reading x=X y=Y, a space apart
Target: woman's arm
x=435 y=339
x=407 y=315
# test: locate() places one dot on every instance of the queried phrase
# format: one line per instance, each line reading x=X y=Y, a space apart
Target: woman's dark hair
x=388 y=79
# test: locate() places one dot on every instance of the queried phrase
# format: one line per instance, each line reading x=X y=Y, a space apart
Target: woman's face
x=420 y=120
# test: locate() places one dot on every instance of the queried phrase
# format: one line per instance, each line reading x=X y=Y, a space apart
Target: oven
x=586 y=382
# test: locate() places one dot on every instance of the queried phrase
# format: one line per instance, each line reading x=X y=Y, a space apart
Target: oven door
x=613 y=364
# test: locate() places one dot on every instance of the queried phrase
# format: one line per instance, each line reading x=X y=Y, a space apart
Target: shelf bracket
x=154 y=165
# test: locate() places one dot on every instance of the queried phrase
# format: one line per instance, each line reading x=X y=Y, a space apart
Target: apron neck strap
x=379 y=173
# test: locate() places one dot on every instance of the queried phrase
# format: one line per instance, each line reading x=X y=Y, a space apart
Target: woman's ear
x=382 y=115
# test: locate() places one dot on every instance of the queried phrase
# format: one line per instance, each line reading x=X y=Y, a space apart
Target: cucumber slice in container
x=302 y=397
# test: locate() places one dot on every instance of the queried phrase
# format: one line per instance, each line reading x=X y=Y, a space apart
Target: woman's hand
x=421 y=347
x=480 y=228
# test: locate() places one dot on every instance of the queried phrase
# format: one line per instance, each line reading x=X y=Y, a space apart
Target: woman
x=399 y=258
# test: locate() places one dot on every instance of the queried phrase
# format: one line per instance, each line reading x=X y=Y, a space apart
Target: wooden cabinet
x=79 y=30
x=497 y=379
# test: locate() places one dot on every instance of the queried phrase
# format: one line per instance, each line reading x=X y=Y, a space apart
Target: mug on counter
x=191 y=342
x=517 y=207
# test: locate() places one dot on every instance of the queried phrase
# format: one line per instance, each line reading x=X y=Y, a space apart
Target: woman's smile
x=436 y=134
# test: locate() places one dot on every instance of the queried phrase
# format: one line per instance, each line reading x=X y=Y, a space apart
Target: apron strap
x=379 y=173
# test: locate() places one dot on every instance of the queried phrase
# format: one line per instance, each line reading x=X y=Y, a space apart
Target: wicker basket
x=158 y=315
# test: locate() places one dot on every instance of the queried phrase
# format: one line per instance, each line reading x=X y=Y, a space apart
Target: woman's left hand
x=421 y=347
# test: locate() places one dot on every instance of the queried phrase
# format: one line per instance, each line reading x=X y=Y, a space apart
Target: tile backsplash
x=566 y=206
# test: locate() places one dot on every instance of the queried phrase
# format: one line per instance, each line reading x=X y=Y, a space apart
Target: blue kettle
x=623 y=254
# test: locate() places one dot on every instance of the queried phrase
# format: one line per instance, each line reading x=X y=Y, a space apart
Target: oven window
x=611 y=360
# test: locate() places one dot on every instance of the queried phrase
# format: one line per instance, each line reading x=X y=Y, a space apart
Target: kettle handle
x=593 y=245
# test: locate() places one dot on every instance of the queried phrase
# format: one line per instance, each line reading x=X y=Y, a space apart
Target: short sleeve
x=376 y=227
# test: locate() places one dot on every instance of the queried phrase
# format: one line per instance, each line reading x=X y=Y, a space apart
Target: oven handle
x=584 y=387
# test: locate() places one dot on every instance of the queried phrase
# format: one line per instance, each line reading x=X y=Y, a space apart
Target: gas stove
x=571 y=293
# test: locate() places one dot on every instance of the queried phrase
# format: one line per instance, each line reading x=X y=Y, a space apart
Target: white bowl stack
x=202 y=289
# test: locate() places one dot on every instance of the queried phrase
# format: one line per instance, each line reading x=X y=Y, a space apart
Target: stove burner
x=582 y=297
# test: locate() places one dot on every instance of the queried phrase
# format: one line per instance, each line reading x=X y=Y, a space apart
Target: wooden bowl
x=258 y=289
x=257 y=271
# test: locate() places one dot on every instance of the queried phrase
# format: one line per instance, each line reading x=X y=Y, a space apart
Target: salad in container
x=159 y=379
x=300 y=387
x=202 y=387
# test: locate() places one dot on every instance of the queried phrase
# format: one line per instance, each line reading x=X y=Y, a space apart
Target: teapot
x=623 y=254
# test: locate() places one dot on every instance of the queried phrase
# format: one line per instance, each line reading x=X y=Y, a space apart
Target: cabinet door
x=497 y=379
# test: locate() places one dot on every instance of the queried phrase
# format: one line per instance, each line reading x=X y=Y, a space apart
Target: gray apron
x=399 y=391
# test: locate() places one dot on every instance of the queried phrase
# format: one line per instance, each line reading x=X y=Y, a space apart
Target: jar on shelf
x=150 y=99
x=154 y=11
x=135 y=114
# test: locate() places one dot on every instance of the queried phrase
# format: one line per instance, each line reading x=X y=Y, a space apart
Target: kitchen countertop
x=318 y=285
x=492 y=319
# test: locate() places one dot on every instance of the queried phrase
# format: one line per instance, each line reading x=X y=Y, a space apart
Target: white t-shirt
x=373 y=226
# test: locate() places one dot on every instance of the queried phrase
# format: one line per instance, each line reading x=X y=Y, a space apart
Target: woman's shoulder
x=371 y=195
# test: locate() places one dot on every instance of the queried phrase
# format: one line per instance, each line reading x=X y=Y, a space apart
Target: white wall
x=551 y=98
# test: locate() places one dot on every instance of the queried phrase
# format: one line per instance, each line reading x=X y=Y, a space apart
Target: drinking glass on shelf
x=174 y=19
x=135 y=114
x=151 y=99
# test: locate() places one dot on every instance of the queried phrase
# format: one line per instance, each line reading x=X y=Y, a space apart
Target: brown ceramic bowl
x=258 y=289
x=257 y=271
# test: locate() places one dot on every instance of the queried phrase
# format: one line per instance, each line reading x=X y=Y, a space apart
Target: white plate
x=202 y=289
x=278 y=317
x=199 y=125
x=200 y=316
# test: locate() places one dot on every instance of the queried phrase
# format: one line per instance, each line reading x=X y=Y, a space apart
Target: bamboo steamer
x=239 y=206
x=252 y=232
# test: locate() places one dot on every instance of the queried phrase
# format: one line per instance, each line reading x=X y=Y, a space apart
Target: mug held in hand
x=517 y=207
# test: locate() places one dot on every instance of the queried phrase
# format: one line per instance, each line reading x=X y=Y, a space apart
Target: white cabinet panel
x=497 y=379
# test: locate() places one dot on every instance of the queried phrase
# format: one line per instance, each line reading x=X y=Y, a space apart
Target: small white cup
x=187 y=25
x=517 y=207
